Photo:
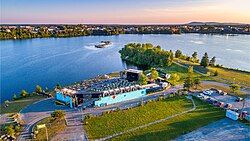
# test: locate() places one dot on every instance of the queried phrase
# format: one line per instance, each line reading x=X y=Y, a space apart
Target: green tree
x=58 y=86
x=10 y=131
x=234 y=88
x=178 y=54
x=212 y=61
x=197 y=82
x=204 y=61
x=58 y=114
x=190 y=70
x=195 y=55
x=174 y=78
x=154 y=74
x=14 y=97
x=38 y=89
x=216 y=73
x=188 y=83
x=46 y=89
x=143 y=80
x=24 y=93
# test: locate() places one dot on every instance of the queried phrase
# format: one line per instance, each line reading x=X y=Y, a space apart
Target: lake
x=48 y=61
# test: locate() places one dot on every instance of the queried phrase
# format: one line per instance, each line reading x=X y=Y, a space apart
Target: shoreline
x=221 y=34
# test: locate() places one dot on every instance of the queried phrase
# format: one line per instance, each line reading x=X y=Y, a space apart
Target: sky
x=124 y=11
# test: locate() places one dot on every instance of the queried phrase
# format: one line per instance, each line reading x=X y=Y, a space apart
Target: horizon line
x=125 y=23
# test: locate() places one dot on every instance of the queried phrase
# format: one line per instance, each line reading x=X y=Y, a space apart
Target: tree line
x=151 y=56
x=146 y=55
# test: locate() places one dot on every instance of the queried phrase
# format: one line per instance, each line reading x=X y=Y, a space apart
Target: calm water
x=26 y=63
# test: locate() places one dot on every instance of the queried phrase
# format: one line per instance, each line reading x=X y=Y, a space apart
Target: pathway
x=74 y=129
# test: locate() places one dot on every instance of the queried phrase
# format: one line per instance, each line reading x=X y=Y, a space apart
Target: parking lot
x=226 y=99
x=232 y=100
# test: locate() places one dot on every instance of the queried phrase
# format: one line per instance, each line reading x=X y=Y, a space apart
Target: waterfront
x=26 y=63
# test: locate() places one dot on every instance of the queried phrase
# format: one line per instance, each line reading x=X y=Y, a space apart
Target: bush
x=14 y=97
x=24 y=93
x=58 y=114
x=38 y=89
x=216 y=73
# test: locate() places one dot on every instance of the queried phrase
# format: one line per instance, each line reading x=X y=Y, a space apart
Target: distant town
x=63 y=30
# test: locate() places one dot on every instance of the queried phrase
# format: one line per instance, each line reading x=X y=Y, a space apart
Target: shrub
x=58 y=114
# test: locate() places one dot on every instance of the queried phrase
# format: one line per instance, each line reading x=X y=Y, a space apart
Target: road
x=42 y=109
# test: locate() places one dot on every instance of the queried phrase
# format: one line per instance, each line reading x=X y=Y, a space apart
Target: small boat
x=103 y=44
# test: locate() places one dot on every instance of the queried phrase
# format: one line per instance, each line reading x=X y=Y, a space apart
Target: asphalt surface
x=222 y=130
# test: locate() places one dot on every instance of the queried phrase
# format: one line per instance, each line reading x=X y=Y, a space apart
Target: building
x=65 y=99
x=131 y=74
x=108 y=91
x=111 y=99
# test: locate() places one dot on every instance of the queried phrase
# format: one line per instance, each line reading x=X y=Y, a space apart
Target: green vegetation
x=46 y=31
x=174 y=79
x=24 y=93
x=146 y=55
x=13 y=127
x=189 y=81
x=143 y=79
x=154 y=74
x=231 y=76
x=54 y=124
x=17 y=105
x=58 y=86
x=115 y=122
x=58 y=114
x=204 y=60
x=172 y=128
x=220 y=74
x=235 y=88
x=38 y=89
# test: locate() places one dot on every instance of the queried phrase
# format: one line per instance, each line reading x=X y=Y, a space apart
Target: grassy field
x=17 y=105
x=181 y=71
x=231 y=76
x=53 y=126
x=224 y=75
x=115 y=122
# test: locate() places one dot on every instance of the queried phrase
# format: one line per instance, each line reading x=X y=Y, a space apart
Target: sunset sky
x=124 y=11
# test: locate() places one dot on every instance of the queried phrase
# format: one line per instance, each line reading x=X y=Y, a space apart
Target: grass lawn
x=116 y=122
x=224 y=75
x=53 y=126
x=231 y=76
x=181 y=71
x=17 y=105
x=170 y=129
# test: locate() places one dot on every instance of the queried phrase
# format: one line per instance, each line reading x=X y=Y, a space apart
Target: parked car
x=221 y=104
x=210 y=100
x=223 y=93
x=228 y=106
x=208 y=92
x=235 y=109
x=200 y=96
x=238 y=99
